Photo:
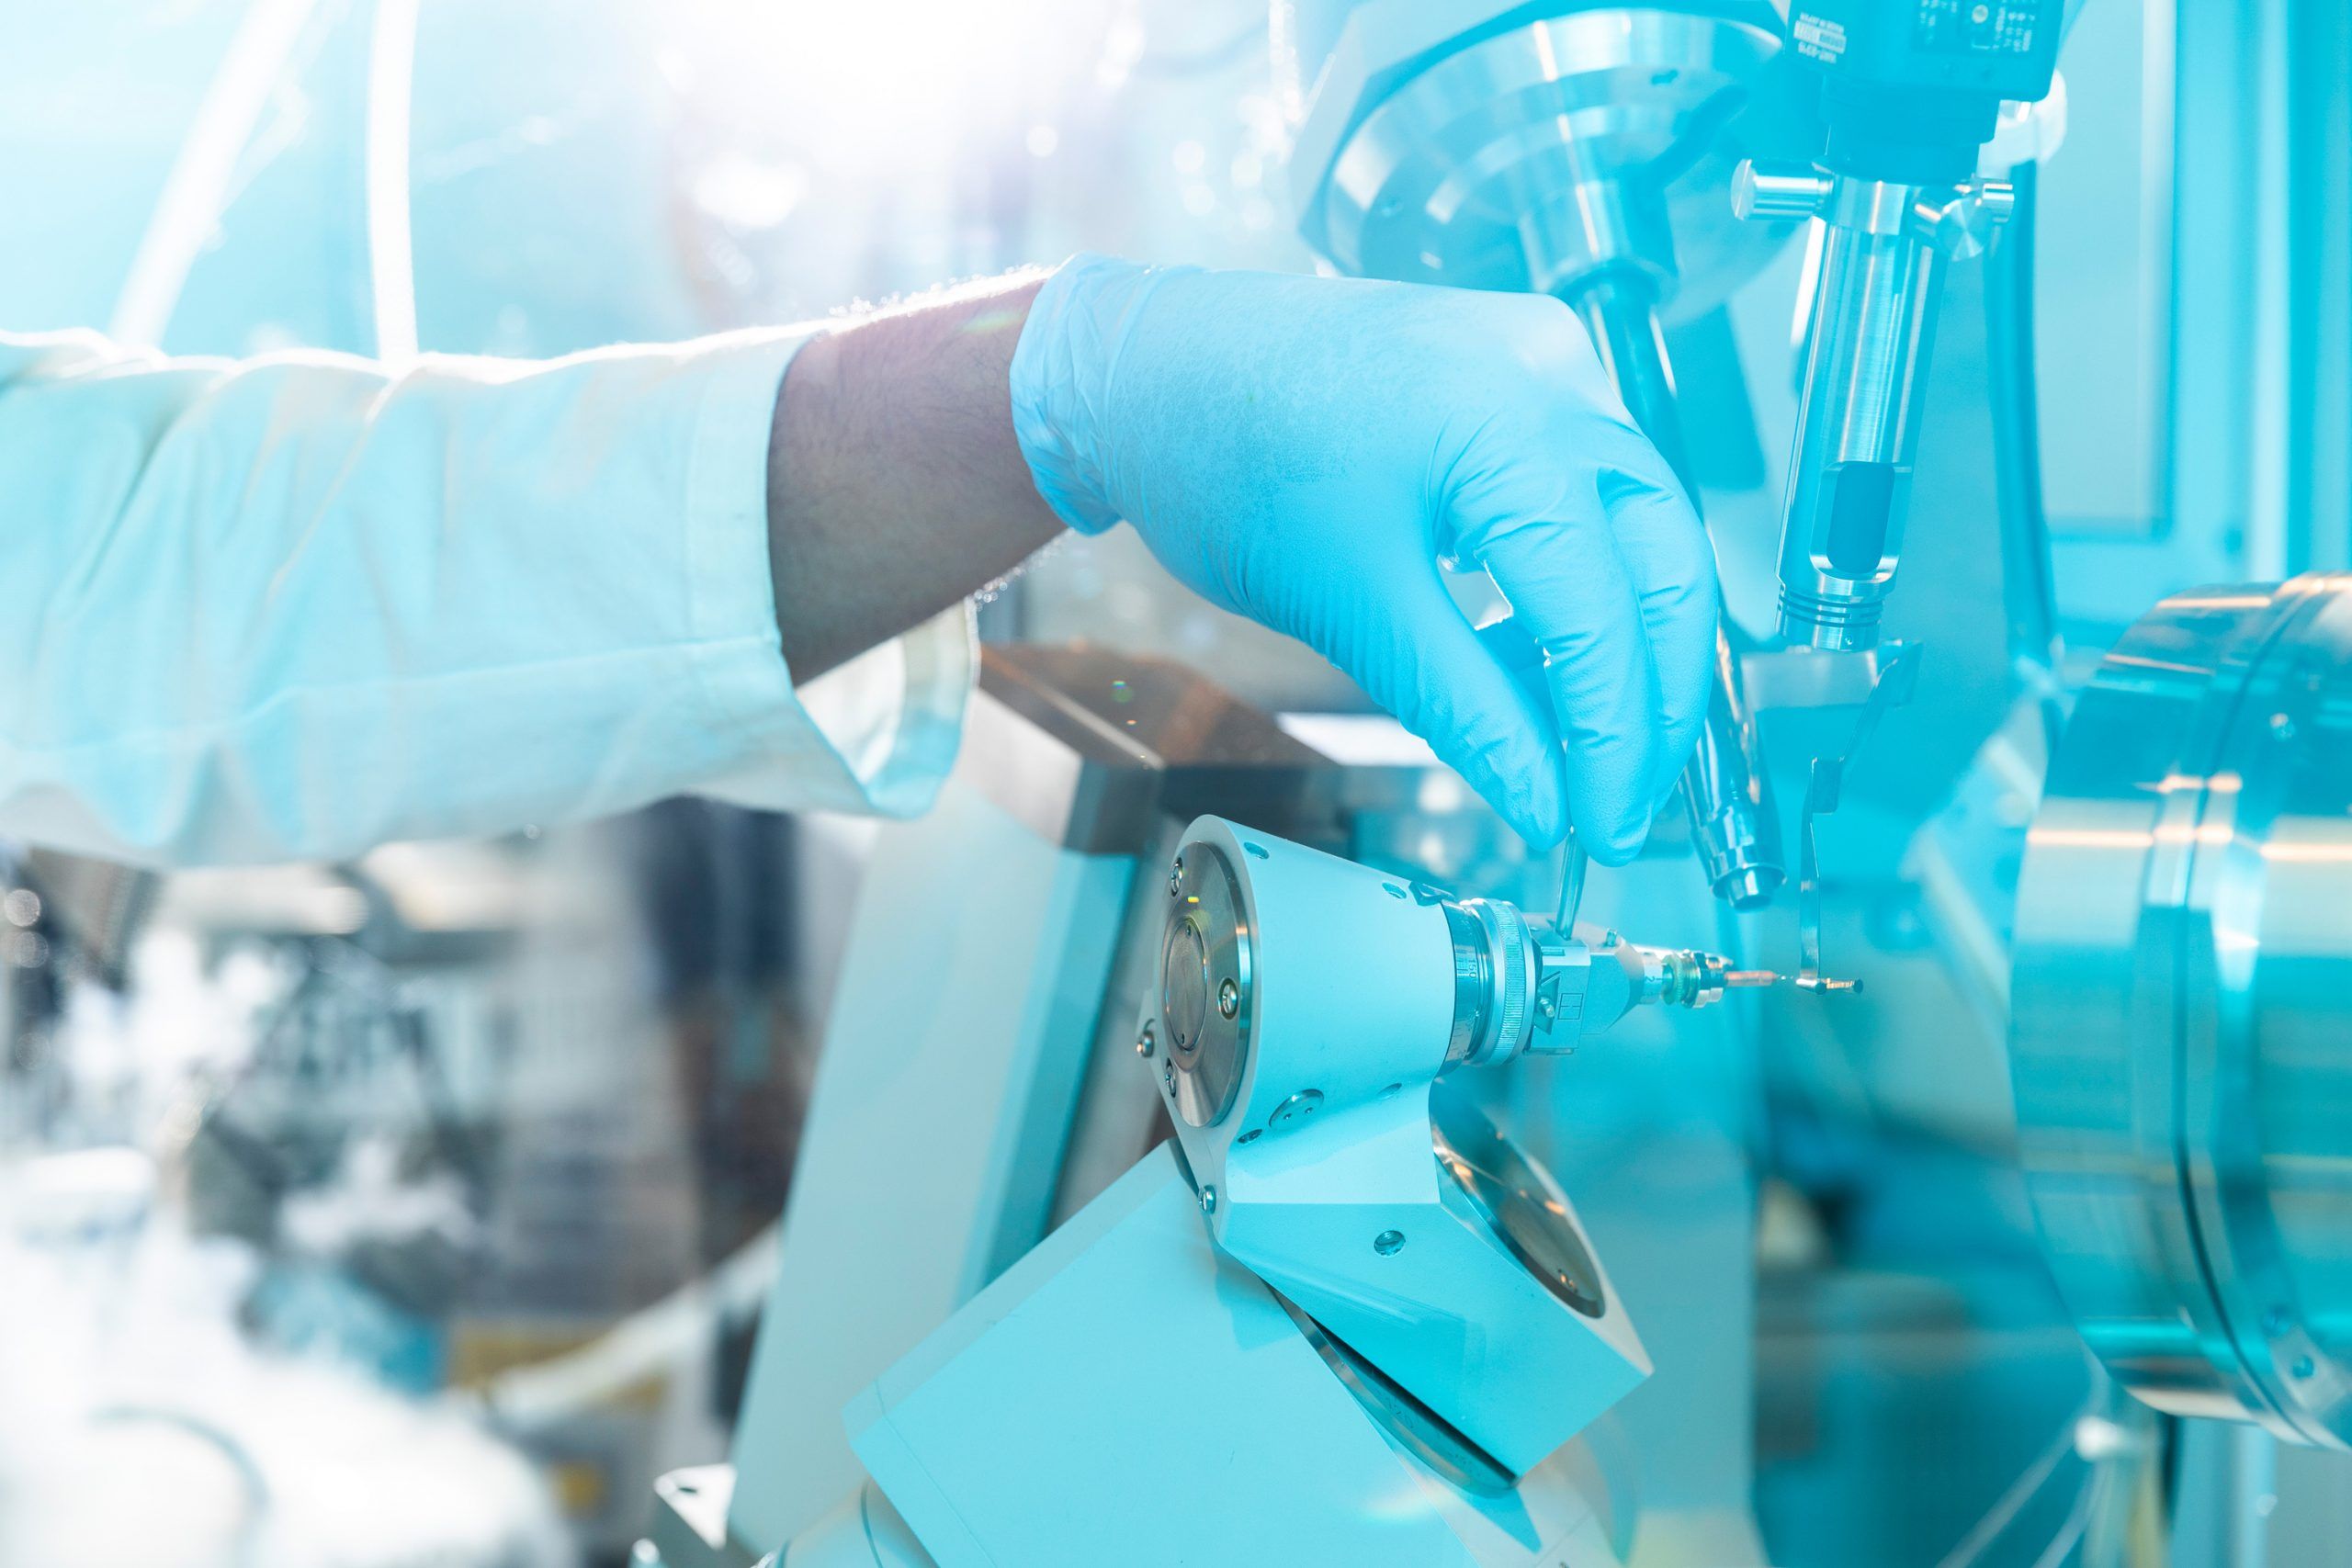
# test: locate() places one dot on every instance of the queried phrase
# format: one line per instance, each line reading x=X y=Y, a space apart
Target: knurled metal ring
x=1511 y=977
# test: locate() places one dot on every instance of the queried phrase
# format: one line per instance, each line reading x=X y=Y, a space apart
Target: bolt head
x=1388 y=1243
x=1147 y=1042
x=1961 y=224
x=1229 y=998
x=1296 y=1108
x=1208 y=1199
x=1176 y=878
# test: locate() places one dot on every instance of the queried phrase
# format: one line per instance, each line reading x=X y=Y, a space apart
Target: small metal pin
x=1572 y=867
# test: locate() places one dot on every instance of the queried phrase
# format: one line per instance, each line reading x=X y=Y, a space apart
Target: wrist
x=1061 y=375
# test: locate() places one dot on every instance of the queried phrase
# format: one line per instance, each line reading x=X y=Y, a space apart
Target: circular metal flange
x=1205 y=985
x=1517 y=1200
x=2181 y=1041
x=1538 y=155
x=1413 y=1425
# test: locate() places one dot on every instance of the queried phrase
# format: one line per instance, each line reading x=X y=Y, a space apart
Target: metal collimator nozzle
x=1871 y=327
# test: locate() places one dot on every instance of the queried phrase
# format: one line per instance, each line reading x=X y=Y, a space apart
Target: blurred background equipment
x=547 y=1201
x=2181 y=1039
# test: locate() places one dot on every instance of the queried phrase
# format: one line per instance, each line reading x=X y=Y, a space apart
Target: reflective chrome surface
x=1725 y=789
x=1409 y=1424
x=1206 y=984
x=1734 y=824
x=1519 y=1201
x=1606 y=136
x=2182 y=1041
x=1872 y=326
x=1524 y=988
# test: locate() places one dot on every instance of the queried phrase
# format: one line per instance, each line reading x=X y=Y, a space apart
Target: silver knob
x=1778 y=191
x=1962 y=223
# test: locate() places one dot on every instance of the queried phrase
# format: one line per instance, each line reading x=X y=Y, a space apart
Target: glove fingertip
x=1542 y=813
x=1629 y=841
x=1525 y=789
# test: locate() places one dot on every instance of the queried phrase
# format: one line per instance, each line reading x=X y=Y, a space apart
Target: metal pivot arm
x=1825 y=788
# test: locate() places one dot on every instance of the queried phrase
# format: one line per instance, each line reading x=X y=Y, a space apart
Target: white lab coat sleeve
x=293 y=607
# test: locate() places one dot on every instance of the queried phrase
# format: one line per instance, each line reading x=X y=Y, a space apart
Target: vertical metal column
x=1733 y=822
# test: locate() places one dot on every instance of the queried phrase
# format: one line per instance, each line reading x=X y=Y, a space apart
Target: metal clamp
x=1825 y=787
x=1959 y=221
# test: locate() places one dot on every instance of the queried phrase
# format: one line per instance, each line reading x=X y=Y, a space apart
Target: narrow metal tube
x=1724 y=787
x=1619 y=308
x=1728 y=794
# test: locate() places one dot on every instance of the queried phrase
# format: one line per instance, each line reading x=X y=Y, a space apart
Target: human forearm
x=291 y=608
x=895 y=484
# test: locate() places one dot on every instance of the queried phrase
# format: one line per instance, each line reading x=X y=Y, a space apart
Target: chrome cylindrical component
x=1377 y=965
x=1767 y=192
x=1858 y=422
x=1599 y=225
x=1620 y=311
x=2182 y=1033
x=1733 y=822
x=1521 y=157
x=1494 y=967
x=1524 y=988
x=1207 y=984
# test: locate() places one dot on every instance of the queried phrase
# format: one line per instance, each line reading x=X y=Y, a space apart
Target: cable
x=660 y=1336
x=198 y=187
x=2028 y=590
x=392 y=257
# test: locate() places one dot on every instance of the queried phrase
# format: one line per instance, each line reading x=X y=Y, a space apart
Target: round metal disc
x=1417 y=1428
x=1205 y=983
x=1451 y=178
x=1518 y=1201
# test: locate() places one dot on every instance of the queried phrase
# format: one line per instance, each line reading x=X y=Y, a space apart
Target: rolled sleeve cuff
x=876 y=735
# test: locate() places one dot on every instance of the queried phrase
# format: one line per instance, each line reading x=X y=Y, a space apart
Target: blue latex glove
x=1304 y=451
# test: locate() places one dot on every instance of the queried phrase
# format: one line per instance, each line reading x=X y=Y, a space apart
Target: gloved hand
x=1304 y=451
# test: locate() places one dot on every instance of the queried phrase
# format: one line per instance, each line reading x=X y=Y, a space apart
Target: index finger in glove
x=1668 y=554
x=1570 y=587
